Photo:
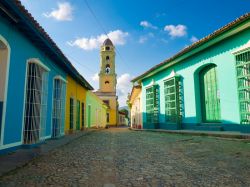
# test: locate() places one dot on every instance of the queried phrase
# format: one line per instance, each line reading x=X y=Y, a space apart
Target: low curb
x=220 y=134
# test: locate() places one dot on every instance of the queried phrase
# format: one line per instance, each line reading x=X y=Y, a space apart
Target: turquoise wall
x=22 y=50
x=219 y=54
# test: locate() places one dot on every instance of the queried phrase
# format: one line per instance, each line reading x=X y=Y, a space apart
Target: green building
x=206 y=86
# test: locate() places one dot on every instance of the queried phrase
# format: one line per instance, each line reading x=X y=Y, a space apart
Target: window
x=107 y=69
x=172 y=92
x=58 y=107
x=152 y=104
x=106 y=102
x=107 y=117
x=243 y=81
x=107 y=48
x=71 y=114
x=35 y=103
x=106 y=82
x=107 y=58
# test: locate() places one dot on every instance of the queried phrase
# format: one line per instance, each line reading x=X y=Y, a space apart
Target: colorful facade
x=75 y=106
x=205 y=86
x=107 y=82
x=33 y=82
x=135 y=105
x=96 y=111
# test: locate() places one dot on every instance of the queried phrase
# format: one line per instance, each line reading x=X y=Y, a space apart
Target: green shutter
x=78 y=115
x=210 y=95
x=152 y=104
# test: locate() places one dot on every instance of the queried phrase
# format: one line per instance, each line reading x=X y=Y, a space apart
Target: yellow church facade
x=107 y=81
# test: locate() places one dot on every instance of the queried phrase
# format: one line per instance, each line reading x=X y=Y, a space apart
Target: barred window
x=35 y=103
x=243 y=82
x=58 y=107
x=172 y=93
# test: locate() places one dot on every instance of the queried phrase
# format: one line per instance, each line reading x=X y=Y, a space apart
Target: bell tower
x=107 y=81
x=107 y=75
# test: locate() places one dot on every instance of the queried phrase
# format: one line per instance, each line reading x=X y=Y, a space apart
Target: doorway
x=4 y=58
x=209 y=94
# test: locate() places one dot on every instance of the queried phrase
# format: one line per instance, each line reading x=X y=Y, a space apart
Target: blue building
x=206 y=86
x=33 y=82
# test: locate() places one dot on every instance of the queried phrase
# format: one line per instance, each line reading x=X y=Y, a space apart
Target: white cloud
x=176 y=31
x=62 y=13
x=95 y=77
x=118 y=37
x=146 y=24
x=143 y=39
x=193 y=39
x=123 y=88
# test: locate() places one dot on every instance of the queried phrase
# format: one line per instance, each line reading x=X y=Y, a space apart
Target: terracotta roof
x=197 y=44
x=40 y=30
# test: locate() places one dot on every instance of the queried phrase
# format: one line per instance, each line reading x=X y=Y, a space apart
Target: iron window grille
x=58 y=116
x=243 y=82
x=35 y=103
x=173 y=100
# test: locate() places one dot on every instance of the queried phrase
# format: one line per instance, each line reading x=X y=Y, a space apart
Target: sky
x=144 y=32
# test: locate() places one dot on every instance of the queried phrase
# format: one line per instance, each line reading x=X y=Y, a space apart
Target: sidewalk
x=220 y=134
x=22 y=156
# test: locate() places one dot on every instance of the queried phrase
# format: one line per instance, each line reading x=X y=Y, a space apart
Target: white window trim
x=242 y=49
x=6 y=89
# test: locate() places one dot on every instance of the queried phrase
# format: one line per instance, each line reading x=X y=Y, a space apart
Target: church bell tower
x=107 y=81
x=107 y=75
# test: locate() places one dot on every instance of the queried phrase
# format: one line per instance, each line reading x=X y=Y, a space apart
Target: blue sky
x=145 y=32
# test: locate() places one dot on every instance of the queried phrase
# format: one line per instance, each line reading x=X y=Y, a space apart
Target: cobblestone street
x=120 y=157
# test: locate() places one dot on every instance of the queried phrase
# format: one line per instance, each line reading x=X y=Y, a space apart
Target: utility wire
x=101 y=26
x=81 y=64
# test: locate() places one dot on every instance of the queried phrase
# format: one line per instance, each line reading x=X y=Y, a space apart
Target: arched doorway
x=4 y=66
x=209 y=94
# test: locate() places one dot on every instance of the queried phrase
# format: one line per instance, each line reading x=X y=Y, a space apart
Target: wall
x=113 y=113
x=96 y=116
x=12 y=129
x=77 y=92
x=136 y=112
x=219 y=54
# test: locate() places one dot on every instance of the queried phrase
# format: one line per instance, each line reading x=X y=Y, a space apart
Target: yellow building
x=135 y=106
x=76 y=104
x=107 y=81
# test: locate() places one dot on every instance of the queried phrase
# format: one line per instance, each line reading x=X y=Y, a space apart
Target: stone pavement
x=22 y=156
x=120 y=157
